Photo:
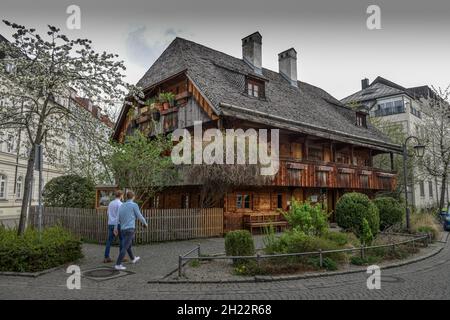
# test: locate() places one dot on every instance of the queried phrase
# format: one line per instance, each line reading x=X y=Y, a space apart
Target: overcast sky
x=335 y=48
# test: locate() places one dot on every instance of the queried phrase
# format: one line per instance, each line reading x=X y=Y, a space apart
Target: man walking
x=128 y=213
x=113 y=223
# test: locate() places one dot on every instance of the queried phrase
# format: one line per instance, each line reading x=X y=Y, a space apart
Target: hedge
x=28 y=253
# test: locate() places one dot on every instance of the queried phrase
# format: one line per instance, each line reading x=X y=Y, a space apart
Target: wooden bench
x=262 y=220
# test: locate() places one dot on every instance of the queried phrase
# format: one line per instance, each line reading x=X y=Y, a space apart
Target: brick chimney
x=364 y=83
x=252 y=51
x=287 y=65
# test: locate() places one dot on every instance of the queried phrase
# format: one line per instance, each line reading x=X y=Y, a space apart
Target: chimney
x=287 y=65
x=252 y=51
x=364 y=83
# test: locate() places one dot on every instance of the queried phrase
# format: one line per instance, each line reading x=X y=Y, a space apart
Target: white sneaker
x=119 y=267
x=136 y=259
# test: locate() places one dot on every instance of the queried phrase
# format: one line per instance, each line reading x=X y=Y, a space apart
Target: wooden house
x=326 y=148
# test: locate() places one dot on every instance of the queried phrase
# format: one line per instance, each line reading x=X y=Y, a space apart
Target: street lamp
x=419 y=150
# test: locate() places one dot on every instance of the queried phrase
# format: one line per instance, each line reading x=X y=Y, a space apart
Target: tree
x=396 y=132
x=70 y=191
x=435 y=134
x=36 y=76
x=143 y=165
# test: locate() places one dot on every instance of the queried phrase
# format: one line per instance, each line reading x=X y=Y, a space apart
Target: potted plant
x=163 y=99
x=171 y=99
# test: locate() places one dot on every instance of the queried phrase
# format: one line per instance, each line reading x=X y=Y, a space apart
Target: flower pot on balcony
x=166 y=105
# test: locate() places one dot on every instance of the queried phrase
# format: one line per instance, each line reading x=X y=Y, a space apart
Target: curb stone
x=299 y=277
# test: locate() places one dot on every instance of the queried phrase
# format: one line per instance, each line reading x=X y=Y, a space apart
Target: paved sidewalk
x=427 y=279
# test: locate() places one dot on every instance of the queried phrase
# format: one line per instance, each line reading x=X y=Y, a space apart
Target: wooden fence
x=164 y=224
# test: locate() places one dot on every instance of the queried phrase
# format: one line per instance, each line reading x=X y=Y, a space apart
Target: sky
x=335 y=48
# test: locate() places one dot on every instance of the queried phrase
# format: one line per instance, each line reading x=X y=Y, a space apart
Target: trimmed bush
x=390 y=210
x=366 y=234
x=239 y=243
x=352 y=208
x=308 y=218
x=28 y=253
x=70 y=191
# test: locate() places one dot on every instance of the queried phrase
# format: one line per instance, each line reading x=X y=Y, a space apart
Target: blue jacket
x=128 y=213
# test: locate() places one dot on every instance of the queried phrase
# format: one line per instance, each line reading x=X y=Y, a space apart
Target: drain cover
x=104 y=273
x=391 y=279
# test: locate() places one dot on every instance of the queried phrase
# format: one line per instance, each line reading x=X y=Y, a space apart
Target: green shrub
x=70 y=191
x=366 y=234
x=327 y=263
x=352 y=208
x=295 y=241
x=340 y=238
x=390 y=210
x=239 y=243
x=308 y=218
x=28 y=253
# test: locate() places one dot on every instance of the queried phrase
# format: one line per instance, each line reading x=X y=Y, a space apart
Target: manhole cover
x=104 y=273
x=391 y=279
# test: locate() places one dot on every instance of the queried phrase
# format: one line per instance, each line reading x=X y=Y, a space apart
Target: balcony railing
x=304 y=173
x=389 y=111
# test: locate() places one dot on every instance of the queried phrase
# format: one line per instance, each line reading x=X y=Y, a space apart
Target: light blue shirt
x=128 y=213
x=113 y=212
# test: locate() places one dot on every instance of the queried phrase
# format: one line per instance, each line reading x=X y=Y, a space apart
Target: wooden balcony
x=312 y=174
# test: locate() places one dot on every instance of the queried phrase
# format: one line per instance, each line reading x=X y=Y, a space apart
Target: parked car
x=446 y=221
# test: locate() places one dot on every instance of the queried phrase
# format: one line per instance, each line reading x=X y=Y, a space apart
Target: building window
x=389 y=108
x=342 y=158
x=154 y=202
x=2 y=186
x=422 y=188
x=430 y=188
x=344 y=180
x=315 y=153
x=184 y=201
x=280 y=201
x=255 y=88
x=361 y=120
x=19 y=184
x=10 y=143
x=243 y=201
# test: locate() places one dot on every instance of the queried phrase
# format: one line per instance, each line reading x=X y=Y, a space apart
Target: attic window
x=361 y=119
x=255 y=88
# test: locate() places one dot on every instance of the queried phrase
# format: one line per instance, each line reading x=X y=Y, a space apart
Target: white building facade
x=399 y=106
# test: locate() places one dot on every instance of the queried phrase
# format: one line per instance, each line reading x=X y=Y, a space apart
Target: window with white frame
x=10 y=143
x=19 y=186
x=2 y=186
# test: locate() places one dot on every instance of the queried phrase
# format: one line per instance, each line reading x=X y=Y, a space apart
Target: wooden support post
x=391 y=156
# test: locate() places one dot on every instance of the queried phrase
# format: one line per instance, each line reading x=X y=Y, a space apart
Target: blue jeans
x=128 y=236
x=111 y=238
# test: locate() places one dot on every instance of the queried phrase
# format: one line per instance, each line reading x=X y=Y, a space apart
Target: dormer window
x=361 y=119
x=255 y=88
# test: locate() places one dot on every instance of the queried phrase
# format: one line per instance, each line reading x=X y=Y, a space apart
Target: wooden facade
x=312 y=168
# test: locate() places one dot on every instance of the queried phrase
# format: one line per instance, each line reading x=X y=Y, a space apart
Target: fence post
x=320 y=258
x=413 y=244
x=199 y=252
x=393 y=247
x=362 y=252
x=180 y=265
x=258 y=259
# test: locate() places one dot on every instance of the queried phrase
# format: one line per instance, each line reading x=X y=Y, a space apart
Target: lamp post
x=419 y=149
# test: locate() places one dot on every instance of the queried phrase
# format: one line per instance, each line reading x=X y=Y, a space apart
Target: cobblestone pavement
x=427 y=279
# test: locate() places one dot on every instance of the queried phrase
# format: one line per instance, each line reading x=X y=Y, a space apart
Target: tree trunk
x=443 y=185
x=27 y=191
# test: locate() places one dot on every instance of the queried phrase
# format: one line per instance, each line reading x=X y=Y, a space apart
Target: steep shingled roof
x=221 y=78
